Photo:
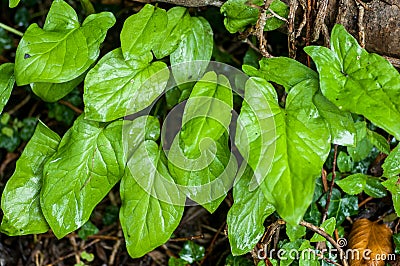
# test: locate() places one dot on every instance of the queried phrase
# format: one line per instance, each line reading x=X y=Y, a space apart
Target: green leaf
x=208 y=178
x=396 y=240
x=177 y=26
x=344 y=162
x=62 y=39
x=349 y=75
x=20 y=198
x=391 y=166
x=341 y=207
x=176 y=262
x=286 y=252
x=246 y=216
x=13 y=3
x=393 y=185
x=87 y=256
x=192 y=252
x=7 y=81
x=152 y=204
x=196 y=45
x=353 y=184
x=288 y=73
x=238 y=14
x=87 y=229
x=274 y=141
x=207 y=113
x=87 y=164
x=363 y=145
x=378 y=141
x=295 y=232
x=52 y=92
x=115 y=87
x=374 y=188
x=142 y=32
x=238 y=261
x=328 y=226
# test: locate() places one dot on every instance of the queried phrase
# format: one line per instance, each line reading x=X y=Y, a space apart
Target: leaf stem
x=10 y=29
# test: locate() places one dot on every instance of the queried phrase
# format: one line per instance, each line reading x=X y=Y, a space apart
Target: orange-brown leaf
x=370 y=236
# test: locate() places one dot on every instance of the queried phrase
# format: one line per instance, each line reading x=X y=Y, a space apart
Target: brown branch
x=262 y=20
x=360 y=23
x=320 y=19
x=189 y=238
x=291 y=29
x=304 y=20
x=328 y=200
x=18 y=106
x=328 y=238
x=341 y=16
x=71 y=106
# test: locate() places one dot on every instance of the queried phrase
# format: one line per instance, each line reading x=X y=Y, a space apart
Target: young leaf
x=142 y=32
x=393 y=185
x=87 y=164
x=150 y=210
x=295 y=232
x=353 y=184
x=177 y=26
x=7 y=81
x=208 y=178
x=52 y=92
x=275 y=143
x=115 y=88
x=20 y=198
x=363 y=145
x=378 y=141
x=367 y=235
x=246 y=216
x=349 y=74
x=344 y=162
x=196 y=46
x=391 y=166
x=328 y=226
x=13 y=3
x=207 y=113
x=62 y=39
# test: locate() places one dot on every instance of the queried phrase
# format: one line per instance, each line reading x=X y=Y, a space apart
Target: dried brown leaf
x=370 y=243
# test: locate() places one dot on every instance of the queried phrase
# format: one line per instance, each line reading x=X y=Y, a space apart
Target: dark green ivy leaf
x=20 y=199
x=88 y=162
x=341 y=207
x=192 y=252
x=357 y=81
x=246 y=216
x=391 y=166
x=62 y=39
x=7 y=81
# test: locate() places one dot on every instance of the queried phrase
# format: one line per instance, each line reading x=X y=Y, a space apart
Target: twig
x=212 y=244
x=276 y=15
x=9 y=158
x=324 y=180
x=327 y=237
x=328 y=200
x=320 y=19
x=10 y=29
x=71 y=106
x=304 y=20
x=291 y=28
x=114 y=252
x=308 y=29
x=252 y=46
x=365 y=201
x=18 y=106
x=73 y=253
x=262 y=20
x=360 y=23
x=189 y=238
x=342 y=11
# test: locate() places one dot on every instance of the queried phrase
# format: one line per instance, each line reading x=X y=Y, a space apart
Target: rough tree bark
x=379 y=26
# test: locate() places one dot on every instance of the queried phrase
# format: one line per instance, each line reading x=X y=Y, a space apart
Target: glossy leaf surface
x=87 y=164
x=150 y=211
x=357 y=81
x=62 y=39
x=115 y=87
x=246 y=216
x=20 y=199
x=391 y=166
x=7 y=81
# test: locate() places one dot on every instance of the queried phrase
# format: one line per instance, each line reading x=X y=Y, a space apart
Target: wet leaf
x=20 y=199
x=344 y=162
x=87 y=229
x=349 y=75
x=393 y=185
x=62 y=39
x=246 y=216
x=7 y=81
x=373 y=236
x=328 y=226
x=340 y=207
x=192 y=252
x=391 y=166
